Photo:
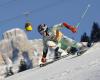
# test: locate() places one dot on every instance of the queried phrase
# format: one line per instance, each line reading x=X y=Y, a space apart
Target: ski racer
x=52 y=37
x=23 y=65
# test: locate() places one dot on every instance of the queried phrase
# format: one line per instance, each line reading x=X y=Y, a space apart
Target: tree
x=95 y=33
x=84 y=37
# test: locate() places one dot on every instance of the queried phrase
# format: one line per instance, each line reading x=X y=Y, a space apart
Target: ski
x=44 y=64
x=78 y=53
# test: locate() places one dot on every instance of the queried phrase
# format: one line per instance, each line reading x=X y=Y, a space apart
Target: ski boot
x=43 y=60
x=57 y=54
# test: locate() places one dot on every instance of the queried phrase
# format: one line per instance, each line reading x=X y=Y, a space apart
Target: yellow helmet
x=28 y=26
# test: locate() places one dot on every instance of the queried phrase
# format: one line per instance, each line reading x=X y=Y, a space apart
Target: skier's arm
x=64 y=24
x=72 y=28
x=58 y=34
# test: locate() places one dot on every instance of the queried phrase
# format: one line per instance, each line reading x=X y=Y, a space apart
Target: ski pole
x=88 y=6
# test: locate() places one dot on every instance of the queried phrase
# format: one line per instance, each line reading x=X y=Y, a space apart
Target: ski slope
x=84 y=67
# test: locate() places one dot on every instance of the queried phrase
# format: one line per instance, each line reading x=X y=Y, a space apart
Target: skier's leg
x=54 y=46
x=71 y=43
x=11 y=71
x=45 y=50
x=57 y=53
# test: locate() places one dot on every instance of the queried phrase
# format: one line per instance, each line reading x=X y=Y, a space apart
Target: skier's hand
x=73 y=29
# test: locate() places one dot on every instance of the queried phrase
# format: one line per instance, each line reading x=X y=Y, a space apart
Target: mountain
x=16 y=46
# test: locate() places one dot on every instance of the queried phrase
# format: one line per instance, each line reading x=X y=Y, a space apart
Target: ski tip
x=42 y=65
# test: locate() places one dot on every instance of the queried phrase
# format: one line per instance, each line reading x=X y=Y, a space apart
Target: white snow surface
x=84 y=67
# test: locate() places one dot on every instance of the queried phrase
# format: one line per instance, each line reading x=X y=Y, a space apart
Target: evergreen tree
x=84 y=38
x=95 y=32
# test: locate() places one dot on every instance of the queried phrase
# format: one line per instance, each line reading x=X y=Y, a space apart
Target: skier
x=9 y=65
x=23 y=65
x=53 y=38
x=9 y=71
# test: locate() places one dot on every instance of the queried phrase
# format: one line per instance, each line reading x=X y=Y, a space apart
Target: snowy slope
x=84 y=67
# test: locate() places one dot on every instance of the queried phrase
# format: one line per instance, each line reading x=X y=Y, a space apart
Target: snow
x=84 y=67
